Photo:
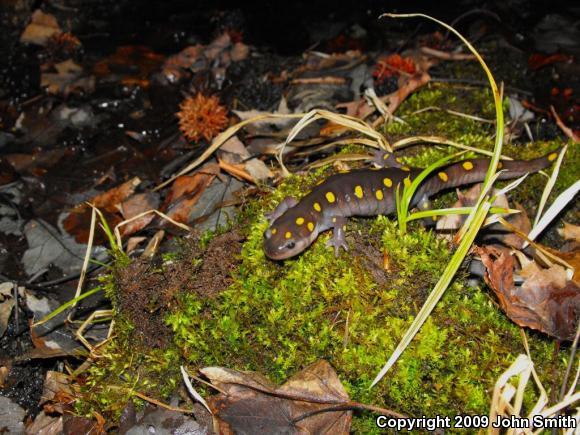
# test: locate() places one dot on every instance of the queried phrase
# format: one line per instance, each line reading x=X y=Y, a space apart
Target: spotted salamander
x=294 y=225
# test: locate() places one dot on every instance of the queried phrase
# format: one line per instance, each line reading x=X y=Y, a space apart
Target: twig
x=570 y=362
x=347 y=406
x=445 y=55
x=566 y=130
x=330 y=80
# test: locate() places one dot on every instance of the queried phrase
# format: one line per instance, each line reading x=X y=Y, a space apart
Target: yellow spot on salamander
x=387 y=182
x=386 y=157
x=330 y=197
x=379 y=195
x=358 y=192
x=288 y=234
x=274 y=231
x=317 y=207
x=407 y=182
x=299 y=221
x=310 y=226
x=552 y=157
x=443 y=176
x=468 y=166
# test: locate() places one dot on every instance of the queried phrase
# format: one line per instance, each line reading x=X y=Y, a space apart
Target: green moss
x=278 y=317
x=121 y=369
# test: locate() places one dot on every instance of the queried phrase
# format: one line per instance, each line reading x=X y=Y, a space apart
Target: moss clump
x=277 y=318
x=121 y=369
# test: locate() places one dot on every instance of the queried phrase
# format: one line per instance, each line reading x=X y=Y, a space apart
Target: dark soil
x=146 y=288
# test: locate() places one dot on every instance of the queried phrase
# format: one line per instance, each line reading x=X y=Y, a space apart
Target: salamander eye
x=291 y=244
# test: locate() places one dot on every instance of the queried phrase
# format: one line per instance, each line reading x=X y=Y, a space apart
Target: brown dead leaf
x=56 y=392
x=251 y=404
x=185 y=192
x=69 y=77
x=234 y=153
x=4 y=371
x=131 y=64
x=41 y=28
x=546 y=301
x=571 y=257
x=570 y=232
x=135 y=205
x=78 y=221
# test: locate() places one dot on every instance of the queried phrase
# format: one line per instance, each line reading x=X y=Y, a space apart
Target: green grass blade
x=474 y=221
x=66 y=305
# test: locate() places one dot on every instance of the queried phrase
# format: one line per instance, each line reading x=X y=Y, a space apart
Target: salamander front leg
x=281 y=208
x=338 y=240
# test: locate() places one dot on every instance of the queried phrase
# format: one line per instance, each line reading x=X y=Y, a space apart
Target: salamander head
x=290 y=234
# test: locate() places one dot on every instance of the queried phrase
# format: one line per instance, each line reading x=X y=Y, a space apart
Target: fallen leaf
x=234 y=152
x=45 y=424
x=164 y=421
x=5 y=311
x=47 y=246
x=185 y=192
x=4 y=371
x=78 y=220
x=69 y=77
x=56 y=392
x=251 y=404
x=570 y=232
x=546 y=301
x=11 y=416
x=50 y=336
x=41 y=28
x=135 y=205
x=132 y=65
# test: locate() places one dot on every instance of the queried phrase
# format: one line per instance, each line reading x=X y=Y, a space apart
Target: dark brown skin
x=294 y=225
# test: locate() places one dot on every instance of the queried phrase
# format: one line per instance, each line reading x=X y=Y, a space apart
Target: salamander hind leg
x=338 y=241
x=385 y=159
x=425 y=205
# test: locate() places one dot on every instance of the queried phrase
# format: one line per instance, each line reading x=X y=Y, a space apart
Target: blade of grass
x=474 y=221
x=559 y=203
x=457 y=210
x=550 y=185
x=408 y=192
x=66 y=305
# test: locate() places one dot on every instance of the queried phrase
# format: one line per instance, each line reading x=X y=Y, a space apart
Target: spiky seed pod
x=201 y=116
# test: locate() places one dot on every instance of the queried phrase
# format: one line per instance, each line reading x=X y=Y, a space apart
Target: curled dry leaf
x=546 y=301
x=251 y=404
x=79 y=218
